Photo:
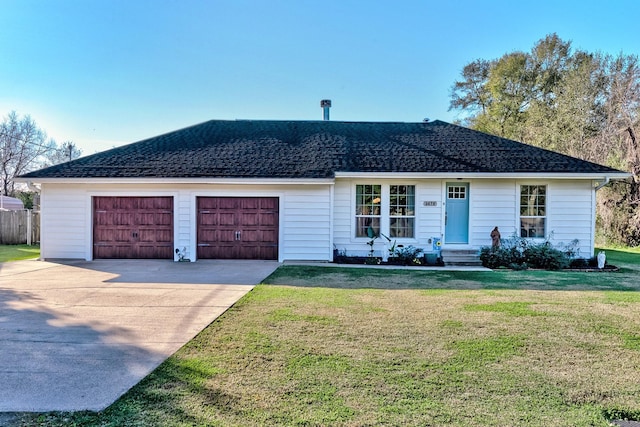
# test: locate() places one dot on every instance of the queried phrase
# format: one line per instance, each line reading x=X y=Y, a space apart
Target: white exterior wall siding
x=429 y=218
x=63 y=223
x=305 y=230
x=304 y=226
x=570 y=215
x=493 y=204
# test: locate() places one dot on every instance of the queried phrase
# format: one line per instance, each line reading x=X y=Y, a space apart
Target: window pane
x=532 y=227
x=368 y=199
x=401 y=227
x=364 y=223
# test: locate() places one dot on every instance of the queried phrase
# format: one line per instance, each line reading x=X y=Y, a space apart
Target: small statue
x=602 y=258
x=495 y=238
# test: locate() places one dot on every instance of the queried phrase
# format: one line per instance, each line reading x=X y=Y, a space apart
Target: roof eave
x=485 y=175
x=132 y=180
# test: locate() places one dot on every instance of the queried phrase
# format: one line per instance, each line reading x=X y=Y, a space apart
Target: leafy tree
x=27 y=197
x=583 y=104
x=471 y=94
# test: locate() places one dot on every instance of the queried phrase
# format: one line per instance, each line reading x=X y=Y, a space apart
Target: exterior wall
x=492 y=202
x=429 y=224
x=309 y=213
x=305 y=216
x=572 y=215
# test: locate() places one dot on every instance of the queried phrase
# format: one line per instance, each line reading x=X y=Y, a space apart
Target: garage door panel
x=164 y=218
x=222 y=250
x=270 y=220
x=230 y=203
x=120 y=235
x=269 y=235
x=160 y=237
x=227 y=218
x=112 y=251
x=207 y=218
x=250 y=203
x=145 y=218
x=250 y=219
x=154 y=251
x=251 y=236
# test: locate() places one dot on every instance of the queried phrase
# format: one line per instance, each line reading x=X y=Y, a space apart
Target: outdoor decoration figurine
x=602 y=257
x=495 y=238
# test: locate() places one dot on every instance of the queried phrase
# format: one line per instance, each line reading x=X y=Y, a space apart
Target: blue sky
x=103 y=73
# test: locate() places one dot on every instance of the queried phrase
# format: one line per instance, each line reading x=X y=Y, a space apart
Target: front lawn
x=18 y=252
x=352 y=347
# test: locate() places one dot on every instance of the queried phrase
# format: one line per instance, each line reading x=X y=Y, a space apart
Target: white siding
x=305 y=215
x=493 y=203
x=65 y=223
x=570 y=214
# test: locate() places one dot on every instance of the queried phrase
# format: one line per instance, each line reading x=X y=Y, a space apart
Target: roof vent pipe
x=325 y=104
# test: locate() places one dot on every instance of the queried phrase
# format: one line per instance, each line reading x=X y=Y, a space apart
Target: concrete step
x=461 y=257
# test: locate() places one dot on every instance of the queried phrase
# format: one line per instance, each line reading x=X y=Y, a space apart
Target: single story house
x=297 y=190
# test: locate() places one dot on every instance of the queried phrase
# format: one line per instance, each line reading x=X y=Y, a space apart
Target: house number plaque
x=430 y=203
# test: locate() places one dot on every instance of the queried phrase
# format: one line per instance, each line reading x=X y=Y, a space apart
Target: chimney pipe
x=325 y=104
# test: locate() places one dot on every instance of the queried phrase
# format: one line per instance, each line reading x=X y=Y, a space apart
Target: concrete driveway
x=77 y=335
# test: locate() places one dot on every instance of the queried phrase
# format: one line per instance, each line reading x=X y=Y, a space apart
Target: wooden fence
x=19 y=227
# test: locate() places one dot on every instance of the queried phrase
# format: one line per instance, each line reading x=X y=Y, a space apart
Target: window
x=368 y=198
x=397 y=200
x=456 y=192
x=402 y=210
x=533 y=210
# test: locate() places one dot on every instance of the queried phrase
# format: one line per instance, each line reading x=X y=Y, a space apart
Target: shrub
x=408 y=255
x=546 y=257
x=518 y=253
x=579 y=263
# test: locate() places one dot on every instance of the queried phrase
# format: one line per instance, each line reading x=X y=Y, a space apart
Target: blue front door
x=456 y=229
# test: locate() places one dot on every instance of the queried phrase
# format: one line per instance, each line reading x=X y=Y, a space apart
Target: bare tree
x=22 y=148
x=66 y=152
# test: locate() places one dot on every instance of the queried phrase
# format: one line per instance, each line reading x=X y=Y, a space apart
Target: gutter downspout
x=606 y=181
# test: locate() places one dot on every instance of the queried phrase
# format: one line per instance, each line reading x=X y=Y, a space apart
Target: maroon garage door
x=238 y=227
x=133 y=227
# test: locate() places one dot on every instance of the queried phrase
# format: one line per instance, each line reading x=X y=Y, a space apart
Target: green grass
x=18 y=252
x=352 y=347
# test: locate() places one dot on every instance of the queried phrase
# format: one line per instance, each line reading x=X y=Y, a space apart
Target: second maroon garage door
x=238 y=227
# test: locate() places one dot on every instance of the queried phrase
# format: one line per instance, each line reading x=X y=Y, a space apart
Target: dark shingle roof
x=316 y=149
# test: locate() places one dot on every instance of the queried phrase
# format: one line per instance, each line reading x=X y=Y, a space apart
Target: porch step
x=461 y=257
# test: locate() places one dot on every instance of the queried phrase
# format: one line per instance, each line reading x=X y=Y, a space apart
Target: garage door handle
x=238 y=235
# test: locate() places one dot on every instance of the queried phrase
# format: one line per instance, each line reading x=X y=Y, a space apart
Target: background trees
x=579 y=103
x=25 y=147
